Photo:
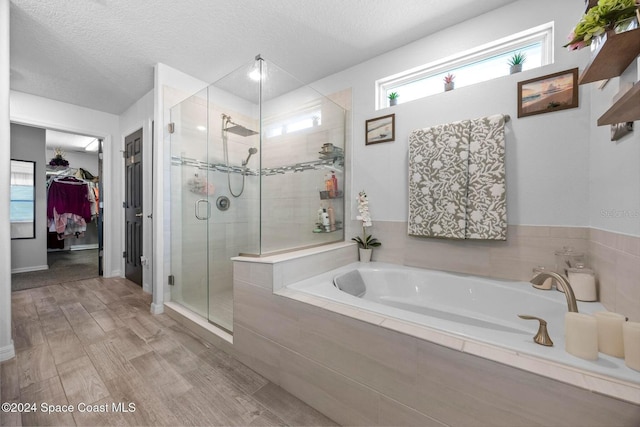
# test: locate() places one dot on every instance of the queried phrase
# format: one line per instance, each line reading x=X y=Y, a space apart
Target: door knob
x=139 y=214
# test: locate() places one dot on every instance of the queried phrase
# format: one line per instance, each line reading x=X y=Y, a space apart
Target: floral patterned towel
x=457 y=180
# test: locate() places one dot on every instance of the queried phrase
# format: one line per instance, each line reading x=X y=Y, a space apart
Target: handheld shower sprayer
x=252 y=151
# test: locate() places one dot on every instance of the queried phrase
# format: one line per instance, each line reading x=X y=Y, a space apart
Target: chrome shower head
x=228 y=125
x=240 y=130
x=252 y=151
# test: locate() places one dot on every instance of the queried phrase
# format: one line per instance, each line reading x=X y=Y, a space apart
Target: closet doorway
x=74 y=249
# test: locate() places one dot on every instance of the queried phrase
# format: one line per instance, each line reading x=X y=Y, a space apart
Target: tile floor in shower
x=94 y=342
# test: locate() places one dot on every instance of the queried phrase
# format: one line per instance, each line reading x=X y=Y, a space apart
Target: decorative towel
x=438 y=168
x=457 y=180
x=486 y=195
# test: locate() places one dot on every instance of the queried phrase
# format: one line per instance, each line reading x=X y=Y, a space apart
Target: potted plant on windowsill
x=366 y=243
x=516 y=61
x=448 y=82
x=393 y=98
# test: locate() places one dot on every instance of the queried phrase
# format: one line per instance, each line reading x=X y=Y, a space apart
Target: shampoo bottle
x=334 y=184
x=332 y=218
x=329 y=185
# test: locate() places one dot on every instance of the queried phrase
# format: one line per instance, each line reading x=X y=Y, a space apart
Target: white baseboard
x=83 y=247
x=27 y=269
x=7 y=352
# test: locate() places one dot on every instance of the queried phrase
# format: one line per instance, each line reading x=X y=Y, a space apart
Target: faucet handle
x=542 y=337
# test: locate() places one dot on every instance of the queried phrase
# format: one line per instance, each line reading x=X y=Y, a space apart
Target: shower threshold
x=209 y=332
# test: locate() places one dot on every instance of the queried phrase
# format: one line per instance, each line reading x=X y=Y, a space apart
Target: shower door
x=214 y=200
x=190 y=205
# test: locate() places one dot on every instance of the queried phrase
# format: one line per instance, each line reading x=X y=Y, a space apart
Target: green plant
x=393 y=95
x=599 y=19
x=449 y=78
x=368 y=242
x=517 y=58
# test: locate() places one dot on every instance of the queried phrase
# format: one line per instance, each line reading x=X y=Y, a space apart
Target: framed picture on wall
x=553 y=92
x=380 y=129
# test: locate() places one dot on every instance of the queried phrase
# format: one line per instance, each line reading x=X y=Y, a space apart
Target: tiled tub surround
x=614 y=257
x=362 y=368
x=469 y=306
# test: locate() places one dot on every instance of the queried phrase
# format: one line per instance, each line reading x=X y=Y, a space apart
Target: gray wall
x=28 y=143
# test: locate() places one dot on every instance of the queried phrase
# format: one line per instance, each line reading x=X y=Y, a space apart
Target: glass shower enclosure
x=257 y=167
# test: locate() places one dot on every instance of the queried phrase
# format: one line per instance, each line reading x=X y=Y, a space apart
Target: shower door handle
x=197 y=209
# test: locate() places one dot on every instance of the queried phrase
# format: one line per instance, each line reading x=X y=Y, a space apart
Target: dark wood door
x=133 y=207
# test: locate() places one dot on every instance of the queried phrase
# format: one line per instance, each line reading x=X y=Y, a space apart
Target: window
x=473 y=66
x=306 y=119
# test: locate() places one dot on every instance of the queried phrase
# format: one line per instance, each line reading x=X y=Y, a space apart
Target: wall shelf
x=613 y=56
x=626 y=109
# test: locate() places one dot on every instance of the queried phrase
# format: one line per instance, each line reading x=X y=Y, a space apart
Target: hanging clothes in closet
x=69 y=206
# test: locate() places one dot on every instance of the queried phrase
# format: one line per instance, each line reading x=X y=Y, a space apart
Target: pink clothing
x=69 y=195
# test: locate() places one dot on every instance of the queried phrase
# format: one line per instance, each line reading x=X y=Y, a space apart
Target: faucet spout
x=563 y=282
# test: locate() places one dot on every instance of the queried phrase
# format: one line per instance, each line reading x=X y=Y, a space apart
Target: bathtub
x=480 y=313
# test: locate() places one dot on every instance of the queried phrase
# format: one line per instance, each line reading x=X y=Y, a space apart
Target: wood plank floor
x=93 y=344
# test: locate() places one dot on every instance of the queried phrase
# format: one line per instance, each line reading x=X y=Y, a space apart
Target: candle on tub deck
x=581 y=335
x=610 y=333
x=631 y=333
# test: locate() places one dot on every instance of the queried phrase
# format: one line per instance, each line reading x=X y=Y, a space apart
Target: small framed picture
x=381 y=129
x=553 y=92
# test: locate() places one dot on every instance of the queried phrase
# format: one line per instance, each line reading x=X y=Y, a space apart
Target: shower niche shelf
x=320 y=228
x=324 y=195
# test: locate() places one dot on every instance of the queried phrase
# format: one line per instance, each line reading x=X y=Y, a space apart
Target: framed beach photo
x=553 y=92
x=381 y=129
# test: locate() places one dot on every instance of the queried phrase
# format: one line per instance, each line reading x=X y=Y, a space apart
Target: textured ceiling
x=100 y=53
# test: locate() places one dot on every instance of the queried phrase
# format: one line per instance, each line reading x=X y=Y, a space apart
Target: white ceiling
x=100 y=53
x=70 y=142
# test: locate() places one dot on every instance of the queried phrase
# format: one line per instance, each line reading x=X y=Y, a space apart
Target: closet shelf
x=613 y=56
x=626 y=109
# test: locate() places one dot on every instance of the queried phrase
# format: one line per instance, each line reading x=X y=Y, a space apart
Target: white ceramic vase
x=365 y=254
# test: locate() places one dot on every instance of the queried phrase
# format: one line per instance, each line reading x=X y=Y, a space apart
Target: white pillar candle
x=610 y=333
x=631 y=334
x=581 y=335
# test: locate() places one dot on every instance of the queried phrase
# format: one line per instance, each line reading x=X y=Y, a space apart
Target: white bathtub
x=473 y=309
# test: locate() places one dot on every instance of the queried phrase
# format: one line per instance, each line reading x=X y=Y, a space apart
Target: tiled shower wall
x=290 y=202
x=614 y=257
